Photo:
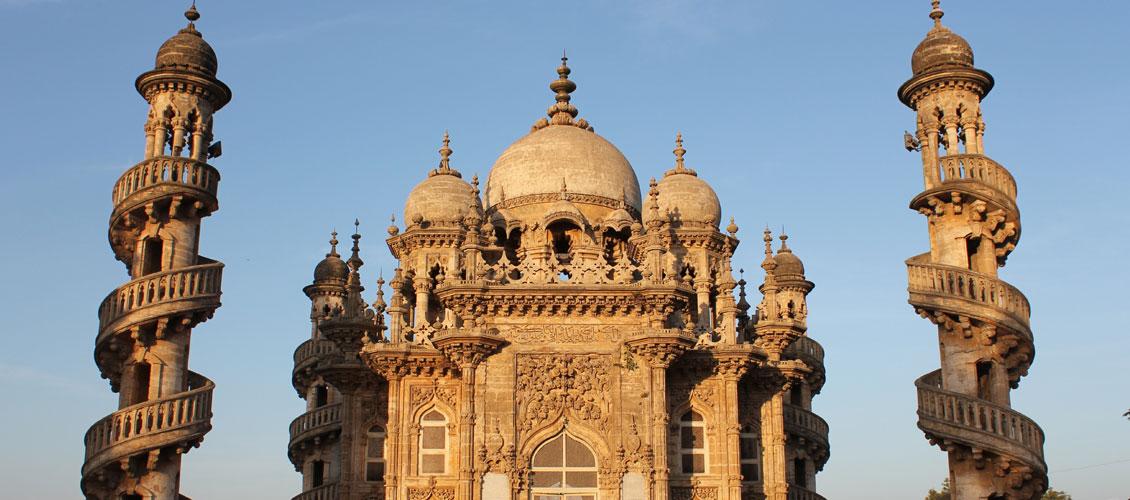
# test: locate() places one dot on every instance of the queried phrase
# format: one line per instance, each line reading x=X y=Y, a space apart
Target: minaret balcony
x=954 y=417
x=974 y=174
x=323 y=492
x=810 y=429
x=193 y=290
x=164 y=176
x=313 y=427
x=955 y=290
x=177 y=420
x=808 y=350
x=306 y=356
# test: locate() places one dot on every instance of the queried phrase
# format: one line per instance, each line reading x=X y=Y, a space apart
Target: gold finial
x=936 y=13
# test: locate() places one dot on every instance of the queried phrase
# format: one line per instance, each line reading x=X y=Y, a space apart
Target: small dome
x=788 y=264
x=941 y=49
x=685 y=196
x=688 y=199
x=586 y=162
x=442 y=197
x=187 y=51
x=331 y=268
x=618 y=220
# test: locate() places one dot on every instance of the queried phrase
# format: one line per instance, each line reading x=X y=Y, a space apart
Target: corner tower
x=983 y=323
x=145 y=325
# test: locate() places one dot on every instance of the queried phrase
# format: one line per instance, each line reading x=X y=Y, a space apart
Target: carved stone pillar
x=732 y=365
x=774 y=462
x=659 y=351
x=423 y=286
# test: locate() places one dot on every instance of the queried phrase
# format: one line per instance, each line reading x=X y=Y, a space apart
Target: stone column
x=423 y=286
x=392 y=439
x=732 y=368
x=160 y=136
x=659 y=420
x=467 y=433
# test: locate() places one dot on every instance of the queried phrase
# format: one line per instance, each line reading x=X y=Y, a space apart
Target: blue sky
x=788 y=108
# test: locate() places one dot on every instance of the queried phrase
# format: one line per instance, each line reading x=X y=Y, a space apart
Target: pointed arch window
x=375 y=454
x=692 y=443
x=563 y=468
x=433 y=443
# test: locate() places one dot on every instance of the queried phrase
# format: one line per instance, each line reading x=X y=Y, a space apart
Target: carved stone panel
x=551 y=385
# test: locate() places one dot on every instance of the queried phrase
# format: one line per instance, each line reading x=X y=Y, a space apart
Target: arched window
x=692 y=443
x=750 y=454
x=433 y=443
x=563 y=469
x=375 y=454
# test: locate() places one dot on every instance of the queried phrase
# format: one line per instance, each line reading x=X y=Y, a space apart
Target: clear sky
x=788 y=108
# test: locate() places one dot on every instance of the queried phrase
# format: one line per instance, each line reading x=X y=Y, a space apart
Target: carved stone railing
x=948 y=282
x=981 y=168
x=802 y=422
x=315 y=423
x=171 y=172
x=311 y=350
x=807 y=349
x=323 y=492
x=978 y=423
x=180 y=418
x=177 y=291
x=801 y=493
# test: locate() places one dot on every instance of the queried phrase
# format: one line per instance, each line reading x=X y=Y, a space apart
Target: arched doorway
x=563 y=468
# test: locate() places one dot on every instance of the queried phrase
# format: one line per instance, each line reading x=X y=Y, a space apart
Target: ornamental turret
x=983 y=328
x=145 y=325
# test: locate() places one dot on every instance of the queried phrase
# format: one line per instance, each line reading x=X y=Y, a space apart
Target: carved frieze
x=552 y=385
x=561 y=334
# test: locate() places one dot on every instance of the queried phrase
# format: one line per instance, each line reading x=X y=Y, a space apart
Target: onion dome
x=444 y=197
x=788 y=264
x=941 y=49
x=187 y=50
x=331 y=268
x=563 y=147
x=684 y=196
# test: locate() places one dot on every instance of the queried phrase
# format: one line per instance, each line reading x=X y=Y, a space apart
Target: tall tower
x=145 y=325
x=983 y=323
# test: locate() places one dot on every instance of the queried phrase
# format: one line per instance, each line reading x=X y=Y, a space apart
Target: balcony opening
x=562 y=235
x=692 y=443
x=750 y=448
x=321 y=396
x=800 y=472
x=153 y=250
x=141 y=376
x=985 y=380
x=796 y=395
x=318 y=473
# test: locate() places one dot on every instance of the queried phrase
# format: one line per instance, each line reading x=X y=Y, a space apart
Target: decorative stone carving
x=552 y=385
x=561 y=334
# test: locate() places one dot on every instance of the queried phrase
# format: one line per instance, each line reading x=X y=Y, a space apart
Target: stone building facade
x=984 y=334
x=145 y=325
x=560 y=335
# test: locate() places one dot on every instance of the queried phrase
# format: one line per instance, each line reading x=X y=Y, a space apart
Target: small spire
x=192 y=14
x=333 y=245
x=380 y=303
x=936 y=13
x=680 y=163
x=768 y=239
x=393 y=230
x=784 y=243
x=732 y=228
x=355 y=261
x=475 y=184
x=562 y=112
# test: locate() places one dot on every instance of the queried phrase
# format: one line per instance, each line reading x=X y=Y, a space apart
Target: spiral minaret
x=983 y=323
x=145 y=324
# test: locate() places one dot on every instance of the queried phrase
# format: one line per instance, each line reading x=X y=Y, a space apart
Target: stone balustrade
x=800 y=493
x=323 y=492
x=805 y=423
x=974 y=167
x=977 y=422
x=170 y=171
x=155 y=291
x=955 y=282
x=315 y=422
x=312 y=349
x=151 y=425
x=805 y=348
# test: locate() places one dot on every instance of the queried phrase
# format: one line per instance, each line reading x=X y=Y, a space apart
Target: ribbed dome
x=442 y=197
x=688 y=198
x=187 y=51
x=539 y=162
x=941 y=49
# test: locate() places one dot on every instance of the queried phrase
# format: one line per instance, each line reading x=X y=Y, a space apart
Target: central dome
x=539 y=162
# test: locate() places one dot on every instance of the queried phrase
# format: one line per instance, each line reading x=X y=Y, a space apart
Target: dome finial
x=355 y=261
x=445 y=159
x=784 y=242
x=562 y=112
x=680 y=163
x=732 y=228
x=768 y=239
x=192 y=14
x=936 y=13
x=333 y=244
